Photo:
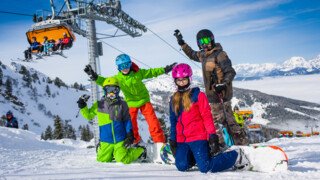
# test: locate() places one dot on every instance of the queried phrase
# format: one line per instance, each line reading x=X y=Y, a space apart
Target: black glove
x=179 y=37
x=214 y=144
x=220 y=87
x=81 y=103
x=173 y=146
x=169 y=68
x=129 y=139
x=93 y=75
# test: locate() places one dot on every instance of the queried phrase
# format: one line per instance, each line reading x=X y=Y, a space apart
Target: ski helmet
x=181 y=71
x=205 y=36
x=236 y=108
x=9 y=113
x=111 y=81
x=111 y=88
x=123 y=61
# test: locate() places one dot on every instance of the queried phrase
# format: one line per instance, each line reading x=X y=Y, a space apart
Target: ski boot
x=242 y=163
x=156 y=157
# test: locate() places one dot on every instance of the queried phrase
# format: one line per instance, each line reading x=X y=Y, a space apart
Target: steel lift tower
x=90 y=11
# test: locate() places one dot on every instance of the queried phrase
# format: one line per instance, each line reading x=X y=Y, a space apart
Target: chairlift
x=54 y=31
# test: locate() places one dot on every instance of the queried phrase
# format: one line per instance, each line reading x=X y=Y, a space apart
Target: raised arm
x=89 y=113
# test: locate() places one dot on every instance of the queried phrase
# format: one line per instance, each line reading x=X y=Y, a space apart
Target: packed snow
x=24 y=156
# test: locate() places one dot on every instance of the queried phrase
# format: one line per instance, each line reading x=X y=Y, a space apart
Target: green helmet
x=111 y=81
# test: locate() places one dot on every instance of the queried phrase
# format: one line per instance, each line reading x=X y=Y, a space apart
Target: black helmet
x=205 y=33
x=236 y=108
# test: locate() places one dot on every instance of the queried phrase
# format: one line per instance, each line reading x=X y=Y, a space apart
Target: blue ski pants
x=187 y=154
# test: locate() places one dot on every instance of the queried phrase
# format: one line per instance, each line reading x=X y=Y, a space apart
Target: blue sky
x=250 y=31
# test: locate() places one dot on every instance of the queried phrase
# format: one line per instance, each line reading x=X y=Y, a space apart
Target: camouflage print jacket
x=217 y=61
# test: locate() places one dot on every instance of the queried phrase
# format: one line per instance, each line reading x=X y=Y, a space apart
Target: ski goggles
x=182 y=80
x=111 y=89
x=205 y=41
x=124 y=66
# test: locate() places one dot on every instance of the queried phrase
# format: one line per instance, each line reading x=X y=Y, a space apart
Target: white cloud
x=211 y=15
x=252 y=26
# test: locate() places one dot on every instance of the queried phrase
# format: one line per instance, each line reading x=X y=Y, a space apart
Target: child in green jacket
x=114 y=124
x=137 y=97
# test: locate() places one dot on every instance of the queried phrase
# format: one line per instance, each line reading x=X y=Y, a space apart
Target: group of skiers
x=10 y=121
x=47 y=46
x=202 y=124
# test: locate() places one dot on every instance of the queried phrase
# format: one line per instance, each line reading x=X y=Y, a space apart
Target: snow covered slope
x=30 y=102
x=66 y=159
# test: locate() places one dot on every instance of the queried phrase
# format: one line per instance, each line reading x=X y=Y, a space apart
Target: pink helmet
x=181 y=71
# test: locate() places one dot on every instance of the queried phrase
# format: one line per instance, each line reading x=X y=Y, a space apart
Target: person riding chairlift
x=47 y=45
x=35 y=45
x=65 y=42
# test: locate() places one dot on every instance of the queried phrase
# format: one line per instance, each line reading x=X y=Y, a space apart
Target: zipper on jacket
x=114 y=139
x=112 y=126
x=182 y=129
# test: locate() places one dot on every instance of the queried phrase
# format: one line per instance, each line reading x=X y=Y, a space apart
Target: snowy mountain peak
x=294 y=66
x=295 y=62
x=316 y=62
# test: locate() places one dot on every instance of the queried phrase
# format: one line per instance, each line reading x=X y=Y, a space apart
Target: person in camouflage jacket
x=218 y=75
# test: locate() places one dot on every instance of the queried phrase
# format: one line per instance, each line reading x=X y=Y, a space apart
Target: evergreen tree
x=48 y=90
x=69 y=131
x=27 y=78
x=82 y=88
x=49 y=80
x=35 y=77
x=42 y=136
x=76 y=85
x=58 y=128
x=58 y=82
x=23 y=70
x=8 y=87
x=25 y=127
x=86 y=134
x=48 y=133
x=72 y=133
x=34 y=93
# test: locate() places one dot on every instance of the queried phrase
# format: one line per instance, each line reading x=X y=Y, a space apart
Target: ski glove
x=81 y=103
x=169 y=68
x=93 y=75
x=220 y=87
x=129 y=139
x=173 y=146
x=179 y=37
x=214 y=144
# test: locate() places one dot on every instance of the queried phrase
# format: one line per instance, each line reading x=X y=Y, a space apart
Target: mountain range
x=290 y=67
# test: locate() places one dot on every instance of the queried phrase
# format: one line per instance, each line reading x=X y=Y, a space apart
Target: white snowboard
x=265 y=158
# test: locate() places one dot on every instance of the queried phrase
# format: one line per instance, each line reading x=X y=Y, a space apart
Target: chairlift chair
x=53 y=29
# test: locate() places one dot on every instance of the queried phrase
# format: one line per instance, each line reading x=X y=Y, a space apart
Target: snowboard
x=159 y=155
x=166 y=155
x=265 y=158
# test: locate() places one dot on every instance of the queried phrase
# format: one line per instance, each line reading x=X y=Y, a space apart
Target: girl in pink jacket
x=193 y=138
